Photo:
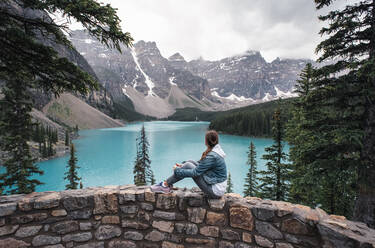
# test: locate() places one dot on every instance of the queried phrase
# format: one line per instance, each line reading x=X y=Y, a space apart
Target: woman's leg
x=172 y=179
x=206 y=188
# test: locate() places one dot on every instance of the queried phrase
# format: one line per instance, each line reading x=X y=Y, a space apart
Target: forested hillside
x=253 y=120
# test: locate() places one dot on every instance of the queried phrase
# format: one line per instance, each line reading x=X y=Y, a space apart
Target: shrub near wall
x=129 y=216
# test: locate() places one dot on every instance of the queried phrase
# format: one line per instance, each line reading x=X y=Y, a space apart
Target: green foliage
x=28 y=61
x=16 y=129
x=142 y=164
x=254 y=120
x=229 y=184
x=71 y=174
x=274 y=182
x=251 y=185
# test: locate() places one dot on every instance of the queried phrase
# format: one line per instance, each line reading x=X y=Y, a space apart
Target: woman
x=209 y=173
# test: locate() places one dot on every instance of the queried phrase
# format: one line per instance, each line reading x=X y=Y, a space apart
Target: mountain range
x=141 y=77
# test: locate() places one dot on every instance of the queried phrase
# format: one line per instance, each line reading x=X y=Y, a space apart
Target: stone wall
x=129 y=216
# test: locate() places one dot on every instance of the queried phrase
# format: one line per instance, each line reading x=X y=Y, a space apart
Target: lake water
x=106 y=156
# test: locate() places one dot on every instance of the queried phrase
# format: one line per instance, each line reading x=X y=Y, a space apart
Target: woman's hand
x=176 y=166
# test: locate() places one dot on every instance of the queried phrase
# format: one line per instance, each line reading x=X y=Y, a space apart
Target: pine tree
x=274 y=181
x=229 y=184
x=67 y=138
x=16 y=129
x=71 y=174
x=251 y=184
x=26 y=63
x=340 y=113
x=142 y=165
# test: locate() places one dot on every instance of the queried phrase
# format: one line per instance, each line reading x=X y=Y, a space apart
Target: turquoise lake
x=106 y=156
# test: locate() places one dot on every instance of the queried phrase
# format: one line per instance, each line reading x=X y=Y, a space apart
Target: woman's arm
x=203 y=165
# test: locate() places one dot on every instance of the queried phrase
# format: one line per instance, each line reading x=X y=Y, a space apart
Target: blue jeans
x=206 y=188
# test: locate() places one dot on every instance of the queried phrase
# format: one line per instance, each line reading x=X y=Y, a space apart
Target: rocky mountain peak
x=177 y=57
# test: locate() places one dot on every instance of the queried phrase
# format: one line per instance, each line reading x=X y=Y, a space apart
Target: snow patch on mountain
x=232 y=97
x=171 y=79
x=282 y=94
x=148 y=80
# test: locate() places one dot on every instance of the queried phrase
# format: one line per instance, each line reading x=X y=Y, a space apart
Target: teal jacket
x=212 y=168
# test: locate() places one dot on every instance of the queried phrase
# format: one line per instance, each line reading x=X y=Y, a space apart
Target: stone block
x=164 y=215
x=27 y=231
x=209 y=231
x=79 y=201
x=59 y=212
x=85 y=226
x=295 y=226
x=13 y=243
x=264 y=213
x=81 y=214
x=196 y=215
x=241 y=217
x=45 y=240
x=134 y=224
x=216 y=204
x=155 y=236
x=65 y=227
x=105 y=203
x=149 y=195
x=107 y=232
x=23 y=219
x=283 y=245
x=77 y=237
x=246 y=237
x=111 y=219
x=167 y=244
x=263 y=241
x=7 y=208
x=225 y=244
x=230 y=234
x=187 y=228
x=121 y=244
x=164 y=226
x=216 y=219
x=129 y=209
x=166 y=201
x=132 y=235
x=209 y=242
x=6 y=230
x=243 y=245
x=268 y=230
x=147 y=206
x=49 y=200
x=91 y=245
x=126 y=196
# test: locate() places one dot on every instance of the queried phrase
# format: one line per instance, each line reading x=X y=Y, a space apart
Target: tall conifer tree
x=251 y=185
x=274 y=181
x=71 y=174
x=341 y=110
x=229 y=188
x=143 y=173
x=16 y=129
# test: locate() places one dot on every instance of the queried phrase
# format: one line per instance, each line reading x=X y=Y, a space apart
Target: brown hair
x=212 y=139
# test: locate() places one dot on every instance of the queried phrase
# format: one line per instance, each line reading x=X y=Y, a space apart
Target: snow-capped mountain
x=156 y=86
x=143 y=76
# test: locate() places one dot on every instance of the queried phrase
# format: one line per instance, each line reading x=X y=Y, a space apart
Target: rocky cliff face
x=143 y=76
x=230 y=82
x=129 y=216
x=248 y=76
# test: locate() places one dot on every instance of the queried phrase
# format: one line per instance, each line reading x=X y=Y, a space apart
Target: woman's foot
x=161 y=188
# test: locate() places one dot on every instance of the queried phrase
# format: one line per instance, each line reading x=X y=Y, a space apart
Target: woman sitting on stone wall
x=209 y=173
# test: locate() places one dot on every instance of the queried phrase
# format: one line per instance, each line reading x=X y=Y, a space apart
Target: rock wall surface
x=130 y=216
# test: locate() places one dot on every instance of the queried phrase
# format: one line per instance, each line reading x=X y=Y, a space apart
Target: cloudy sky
x=216 y=29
